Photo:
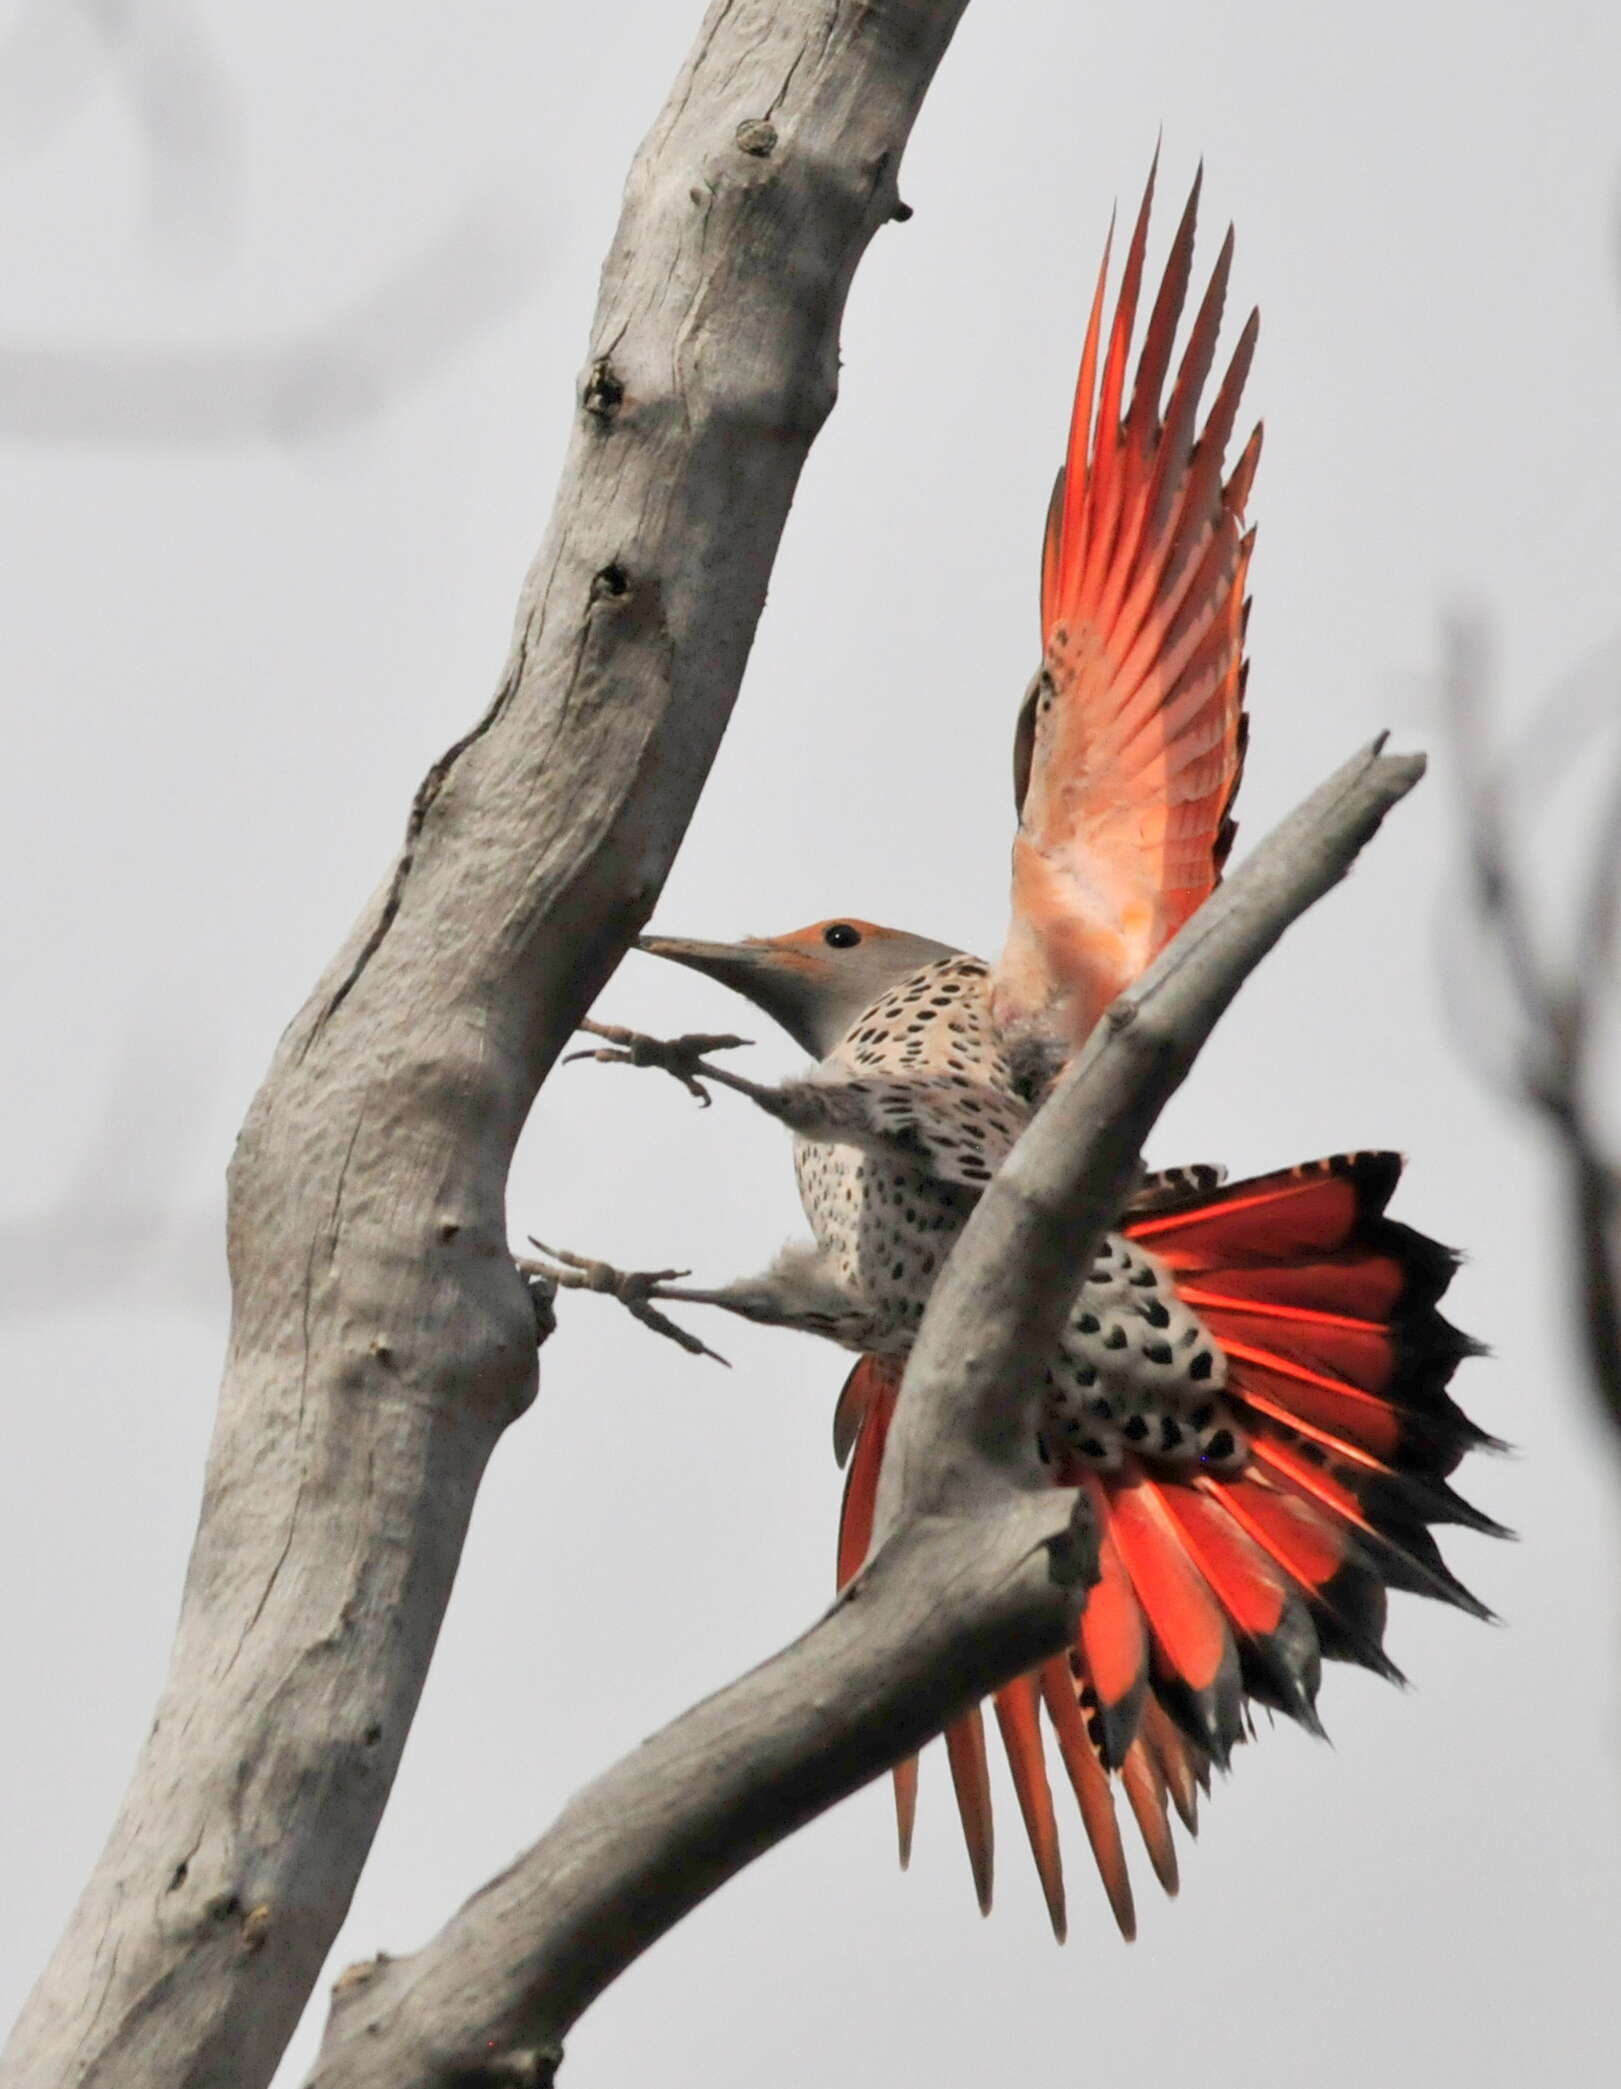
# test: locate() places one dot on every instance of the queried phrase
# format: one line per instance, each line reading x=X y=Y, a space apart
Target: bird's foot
x=680 y=1057
x=635 y=1290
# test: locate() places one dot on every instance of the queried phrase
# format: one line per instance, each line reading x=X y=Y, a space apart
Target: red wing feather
x=1196 y=1671
x=1113 y=1639
x=1131 y=742
x=867 y=1402
x=1216 y=1587
x=874 y=1381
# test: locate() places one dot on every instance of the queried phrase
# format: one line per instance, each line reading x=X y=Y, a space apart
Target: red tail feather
x=1016 y=1714
x=1214 y=1586
x=1093 y=1793
x=1145 y=1789
x=971 y=1776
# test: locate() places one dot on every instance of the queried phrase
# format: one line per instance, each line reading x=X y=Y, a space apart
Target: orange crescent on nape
x=1131 y=742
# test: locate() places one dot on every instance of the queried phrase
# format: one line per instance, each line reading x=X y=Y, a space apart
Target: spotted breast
x=1137 y=1370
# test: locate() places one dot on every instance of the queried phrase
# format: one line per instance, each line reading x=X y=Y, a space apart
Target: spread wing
x=1217 y=1588
x=1131 y=741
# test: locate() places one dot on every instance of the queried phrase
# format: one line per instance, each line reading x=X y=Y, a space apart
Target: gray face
x=815 y=982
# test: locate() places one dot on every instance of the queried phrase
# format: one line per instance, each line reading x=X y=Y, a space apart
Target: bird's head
x=814 y=982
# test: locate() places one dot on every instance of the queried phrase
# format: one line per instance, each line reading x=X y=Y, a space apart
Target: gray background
x=250 y=594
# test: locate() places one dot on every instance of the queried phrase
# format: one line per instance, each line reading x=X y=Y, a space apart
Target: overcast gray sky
x=244 y=606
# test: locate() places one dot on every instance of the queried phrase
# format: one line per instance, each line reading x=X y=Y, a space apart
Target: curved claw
x=680 y=1057
x=635 y=1290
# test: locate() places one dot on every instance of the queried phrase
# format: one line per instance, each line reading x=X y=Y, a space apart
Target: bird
x=1253 y=1387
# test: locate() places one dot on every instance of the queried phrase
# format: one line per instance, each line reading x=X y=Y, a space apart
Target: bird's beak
x=782 y=982
x=736 y=965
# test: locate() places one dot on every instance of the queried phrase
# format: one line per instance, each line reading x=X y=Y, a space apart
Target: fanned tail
x=1220 y=1589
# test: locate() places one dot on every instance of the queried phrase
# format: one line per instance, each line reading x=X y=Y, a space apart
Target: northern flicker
x=1252 y=1385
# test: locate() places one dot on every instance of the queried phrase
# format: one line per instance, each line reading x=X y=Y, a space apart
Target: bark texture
x=380 y=1338
x=982 y=1572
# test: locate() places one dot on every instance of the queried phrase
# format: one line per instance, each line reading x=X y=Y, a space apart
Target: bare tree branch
x=381 y=1338
x=981 y=1574
x=1559 y=1013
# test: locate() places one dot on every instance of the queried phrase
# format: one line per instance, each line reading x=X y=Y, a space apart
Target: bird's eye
x=840 y=935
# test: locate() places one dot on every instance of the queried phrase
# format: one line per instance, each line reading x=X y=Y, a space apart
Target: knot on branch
x=756 y=136
x=361 y=1974
x=604 y=392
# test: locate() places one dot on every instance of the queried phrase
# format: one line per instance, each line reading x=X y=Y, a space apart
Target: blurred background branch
x=425 y=307
x=1549 y=1016
x=56 y=54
